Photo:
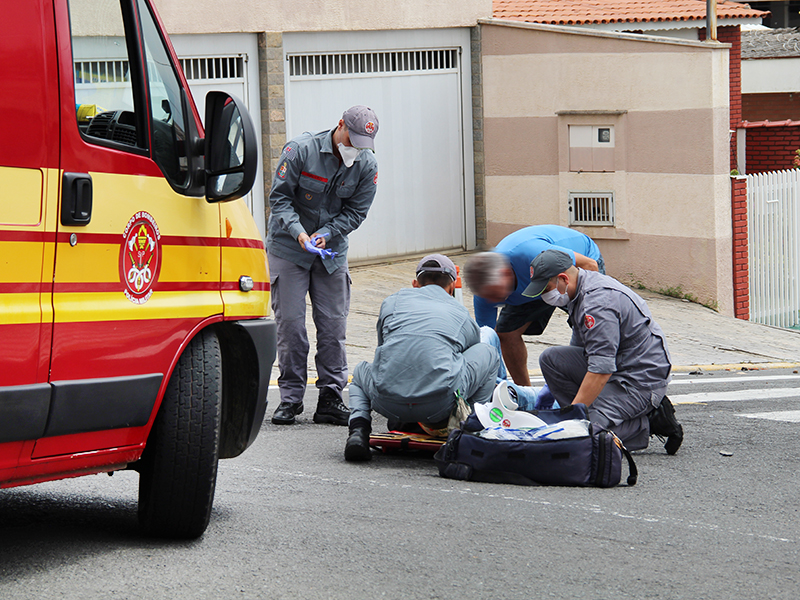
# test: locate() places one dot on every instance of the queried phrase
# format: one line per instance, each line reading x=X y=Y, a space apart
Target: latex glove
x=323 y=252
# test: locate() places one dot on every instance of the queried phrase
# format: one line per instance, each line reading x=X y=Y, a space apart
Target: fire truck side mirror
x=231 y=148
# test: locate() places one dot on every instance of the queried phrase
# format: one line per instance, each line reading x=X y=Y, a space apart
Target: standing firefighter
x=324 y=185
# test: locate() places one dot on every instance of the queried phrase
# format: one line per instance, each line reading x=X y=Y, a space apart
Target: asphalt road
x=292 y=519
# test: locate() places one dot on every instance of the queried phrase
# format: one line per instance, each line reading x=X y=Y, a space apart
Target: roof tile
x=588 y=12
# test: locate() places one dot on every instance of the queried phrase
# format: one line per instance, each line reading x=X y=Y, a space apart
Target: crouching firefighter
x=429 y=355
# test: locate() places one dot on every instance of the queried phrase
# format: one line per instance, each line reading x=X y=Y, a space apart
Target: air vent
x=373 y=63
x=591 y=208
x=213 y=68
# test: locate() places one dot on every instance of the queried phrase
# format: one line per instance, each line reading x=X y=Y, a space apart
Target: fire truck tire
x=178 y=469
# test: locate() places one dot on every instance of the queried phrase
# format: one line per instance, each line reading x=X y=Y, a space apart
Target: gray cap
x=363 y=125
x=445 y=266
x=543 y=268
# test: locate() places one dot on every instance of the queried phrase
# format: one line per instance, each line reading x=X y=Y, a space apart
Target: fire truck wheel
x=178 y=469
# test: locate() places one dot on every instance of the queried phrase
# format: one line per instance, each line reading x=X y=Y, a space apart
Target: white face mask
x=556 y=298
x=348 y=154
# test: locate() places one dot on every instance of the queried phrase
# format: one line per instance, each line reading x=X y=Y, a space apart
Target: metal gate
x=773 y=221
x=425 y=194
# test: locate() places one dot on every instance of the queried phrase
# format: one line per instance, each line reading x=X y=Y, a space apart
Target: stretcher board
x=403 y=441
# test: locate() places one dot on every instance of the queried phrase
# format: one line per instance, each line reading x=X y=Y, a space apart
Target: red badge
x=375 y=179
x=506 y=423
x=369 y=127
x=588 y=320
x=282 y=171
x=531 y=272
x=140 y=257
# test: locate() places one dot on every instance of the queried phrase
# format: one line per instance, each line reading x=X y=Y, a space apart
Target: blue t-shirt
x=521 y=247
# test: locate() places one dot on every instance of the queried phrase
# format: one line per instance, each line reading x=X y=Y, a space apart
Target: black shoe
x=357 y=447
x=286 y=412
x=664 y=424
x=331 y=409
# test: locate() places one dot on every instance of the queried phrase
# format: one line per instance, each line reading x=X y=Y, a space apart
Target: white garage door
x=416 y=84
x=226 y=63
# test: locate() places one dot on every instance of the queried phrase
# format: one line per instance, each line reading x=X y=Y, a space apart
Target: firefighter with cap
x=429 y=354
x=617 y=363
x=322 y=189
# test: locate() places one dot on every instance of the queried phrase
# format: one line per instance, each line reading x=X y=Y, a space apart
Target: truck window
x=105 y=102
x=107 y=81
x=166 y=104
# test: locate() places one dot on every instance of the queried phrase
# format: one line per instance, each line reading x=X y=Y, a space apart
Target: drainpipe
x=711 y=20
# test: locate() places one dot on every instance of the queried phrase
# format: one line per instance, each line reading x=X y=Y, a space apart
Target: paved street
x=292 y=519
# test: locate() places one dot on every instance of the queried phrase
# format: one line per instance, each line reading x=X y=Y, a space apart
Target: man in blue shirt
x=499 y=277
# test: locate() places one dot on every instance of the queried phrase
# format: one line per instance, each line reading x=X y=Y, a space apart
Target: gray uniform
x=429 y=349
x=612 y=332
x=313 y=192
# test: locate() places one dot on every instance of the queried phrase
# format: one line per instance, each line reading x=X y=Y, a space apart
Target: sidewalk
x=698 y=337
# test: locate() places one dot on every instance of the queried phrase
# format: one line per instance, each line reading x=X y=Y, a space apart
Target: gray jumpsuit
x=612 y=332
x=313 y=192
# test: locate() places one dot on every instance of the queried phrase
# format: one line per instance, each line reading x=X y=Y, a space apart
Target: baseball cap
x=363 y=125
x=543 y=268
x=445 y=265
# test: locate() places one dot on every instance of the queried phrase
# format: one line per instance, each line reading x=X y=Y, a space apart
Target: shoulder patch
x=289 y=152
x=588 y=320
x=282 y=171
x=375 y=179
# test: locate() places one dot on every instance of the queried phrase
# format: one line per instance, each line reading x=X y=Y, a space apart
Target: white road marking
x=701 y=380
x=788 y=416
x=735 y=396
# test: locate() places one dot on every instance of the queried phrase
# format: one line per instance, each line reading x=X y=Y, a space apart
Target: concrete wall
x=668 y=104
x=213 y=16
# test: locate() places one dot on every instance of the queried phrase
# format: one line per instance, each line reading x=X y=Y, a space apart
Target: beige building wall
x=667 y=102
x=213 y=16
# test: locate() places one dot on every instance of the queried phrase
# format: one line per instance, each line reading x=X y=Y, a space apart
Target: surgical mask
x=555 y=298
x=348 y=154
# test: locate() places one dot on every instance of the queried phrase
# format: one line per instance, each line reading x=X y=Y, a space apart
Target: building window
x=591 y=208
x=591 y=148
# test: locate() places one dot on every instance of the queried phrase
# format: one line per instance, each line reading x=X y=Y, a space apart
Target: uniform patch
x=369 y=127
x=531 y=272
x=309 y=197
x=282 y=171
x=588 y=320
x=289 y=153
x=140 y=257
x=375 y=179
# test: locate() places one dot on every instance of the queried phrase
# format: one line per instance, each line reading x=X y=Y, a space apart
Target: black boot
x=286 y=412
x=331 y=409
x=664 y=424
x=357 y=447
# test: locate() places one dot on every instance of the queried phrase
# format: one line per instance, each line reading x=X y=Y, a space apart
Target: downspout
x=711 y=20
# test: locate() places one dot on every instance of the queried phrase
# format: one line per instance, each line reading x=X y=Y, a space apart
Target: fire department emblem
x=140 y=257
x=588 y=320
x=369 y=127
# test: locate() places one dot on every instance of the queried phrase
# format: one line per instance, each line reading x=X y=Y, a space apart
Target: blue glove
x=323 y=252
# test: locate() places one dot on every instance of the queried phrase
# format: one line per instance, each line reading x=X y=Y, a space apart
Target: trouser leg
x=288 y=288
x=360 y=407
x=481 y=364
x=620 y=409
x=525 y=395
x=330 y=305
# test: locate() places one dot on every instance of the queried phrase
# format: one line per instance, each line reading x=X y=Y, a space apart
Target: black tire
x=178 y=469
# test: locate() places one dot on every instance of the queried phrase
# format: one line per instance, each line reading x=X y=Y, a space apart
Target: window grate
x=591 y=208
x=214 y=68
x=373 y=63
x=101 y=71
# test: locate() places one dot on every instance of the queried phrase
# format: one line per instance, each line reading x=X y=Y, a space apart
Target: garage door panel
x=420 y=203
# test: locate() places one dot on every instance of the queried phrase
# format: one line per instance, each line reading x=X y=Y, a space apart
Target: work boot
x=357 y=447
x=286 y=412
x=664 y=424
x=331 y=409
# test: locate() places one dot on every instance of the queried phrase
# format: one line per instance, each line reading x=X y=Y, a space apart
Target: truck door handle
x=76 y=199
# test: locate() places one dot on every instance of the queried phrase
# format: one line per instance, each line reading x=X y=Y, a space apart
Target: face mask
x=555 y=298
x=348 y=154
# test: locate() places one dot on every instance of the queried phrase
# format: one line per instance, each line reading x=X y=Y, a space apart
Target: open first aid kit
x=499 y=444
